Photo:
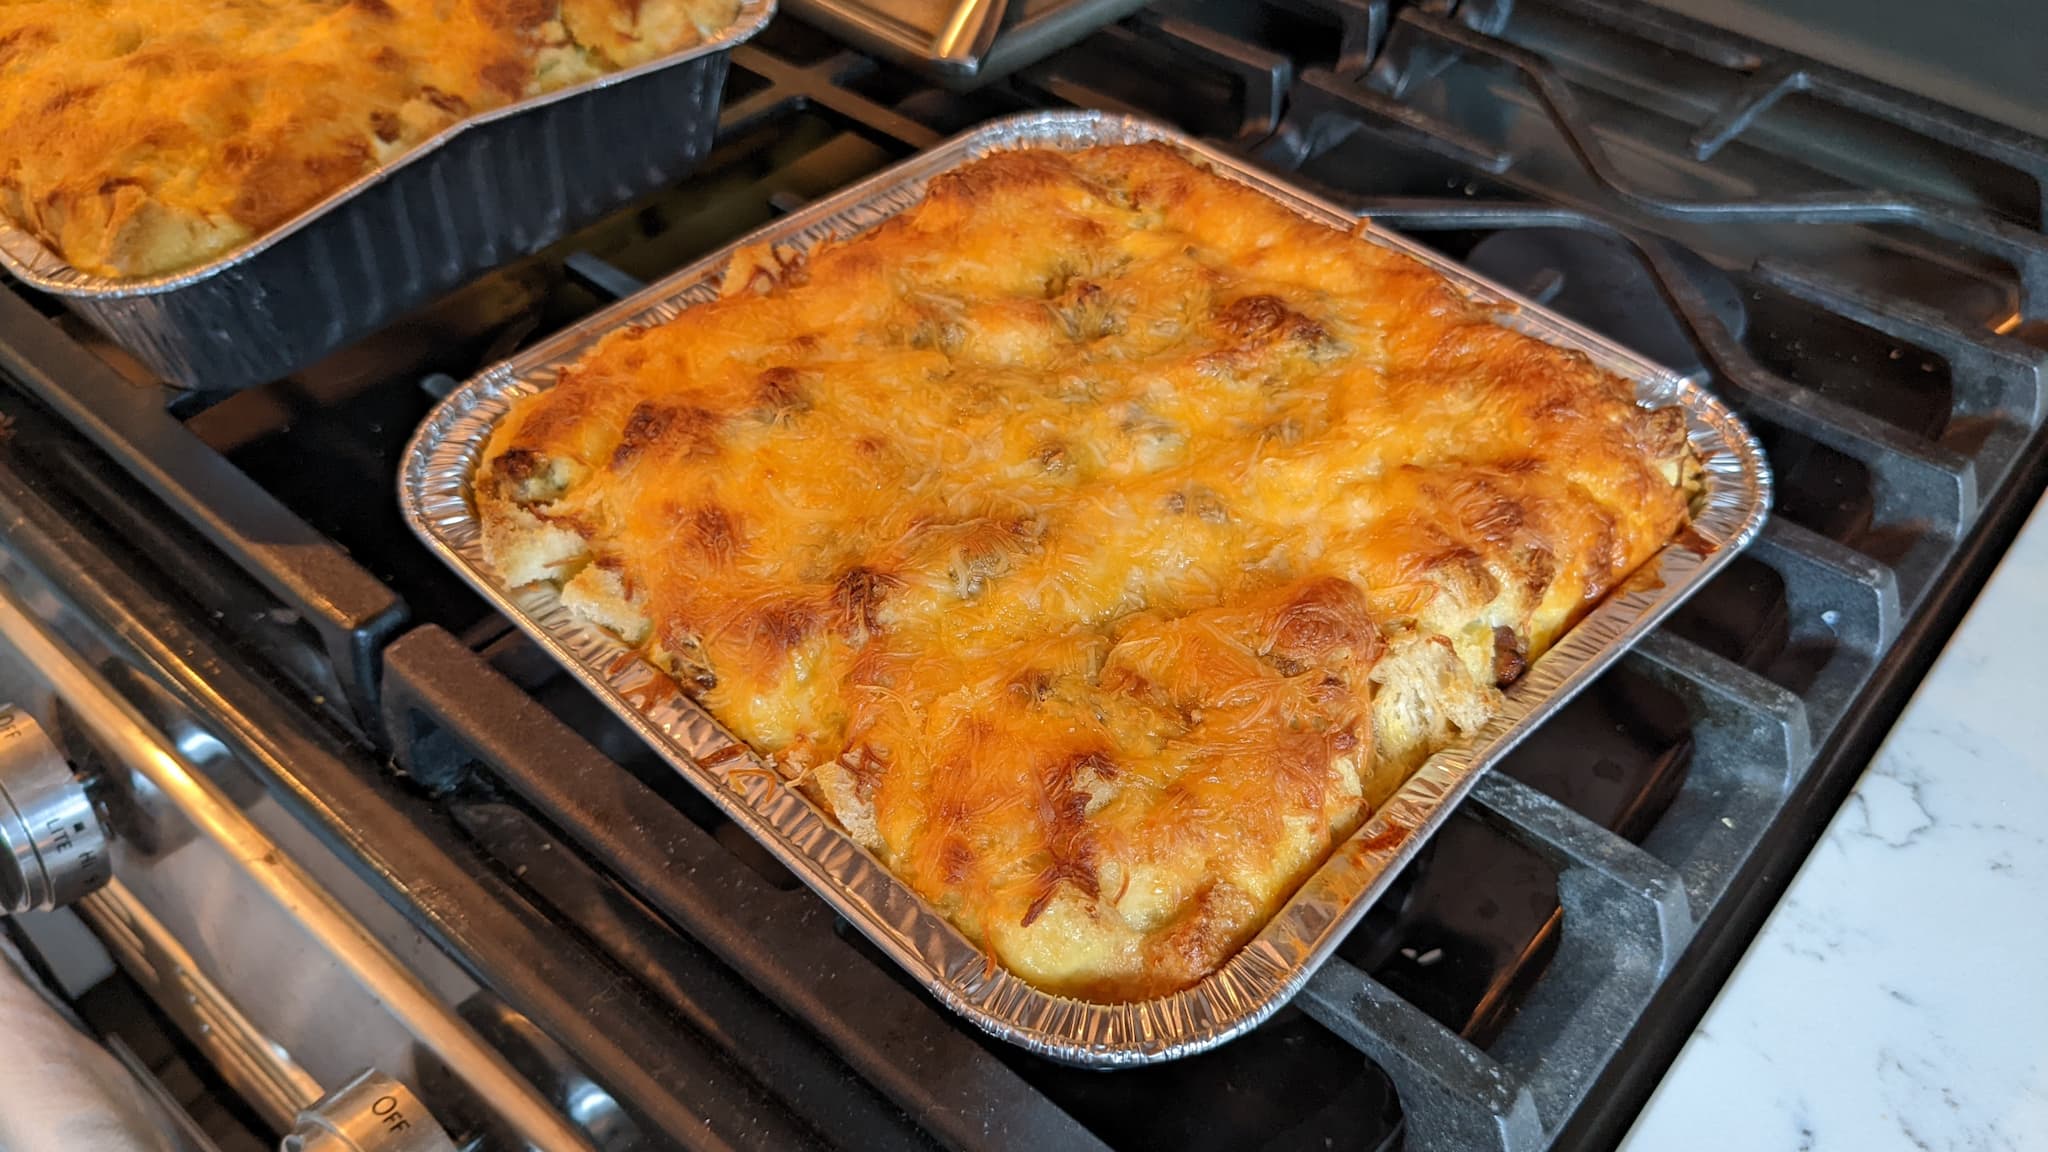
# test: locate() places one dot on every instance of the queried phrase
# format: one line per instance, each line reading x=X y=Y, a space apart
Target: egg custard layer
x=1098 y=541
x=138 y=137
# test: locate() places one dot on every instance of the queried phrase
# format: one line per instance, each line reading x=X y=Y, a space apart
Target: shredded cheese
x=1099 y=540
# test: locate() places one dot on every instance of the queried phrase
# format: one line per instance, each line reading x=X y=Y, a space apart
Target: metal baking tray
x=962 y=44
x=435 y=492
x=499 y=185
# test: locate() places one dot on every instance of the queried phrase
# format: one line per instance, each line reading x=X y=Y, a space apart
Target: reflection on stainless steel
x=53 y=848
x=968 y=31
x=119 y=732
x=372 y=1113
x=259 y=1069
x=139 y=815
x=1294 y=943
x=962 y=44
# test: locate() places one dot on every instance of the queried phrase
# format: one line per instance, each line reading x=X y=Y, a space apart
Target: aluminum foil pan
x=435 y=491
x=499 y=185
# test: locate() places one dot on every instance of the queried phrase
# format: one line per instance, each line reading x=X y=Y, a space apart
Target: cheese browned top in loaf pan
x=1098 y=541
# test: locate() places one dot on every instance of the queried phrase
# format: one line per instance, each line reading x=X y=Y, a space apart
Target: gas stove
x=219 y=587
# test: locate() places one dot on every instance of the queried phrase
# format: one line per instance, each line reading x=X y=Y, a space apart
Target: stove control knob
x=372 y=1113
x=53 y=845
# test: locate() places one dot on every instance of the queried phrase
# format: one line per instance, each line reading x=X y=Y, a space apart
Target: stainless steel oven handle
x=118 y=731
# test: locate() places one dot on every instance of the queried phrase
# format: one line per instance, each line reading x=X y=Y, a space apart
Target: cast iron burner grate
x=1859 y=271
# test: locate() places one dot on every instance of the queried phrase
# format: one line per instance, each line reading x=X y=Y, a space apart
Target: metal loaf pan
x=499 y=185
x=435 y=491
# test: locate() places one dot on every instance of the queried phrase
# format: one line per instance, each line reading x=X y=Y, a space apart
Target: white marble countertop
x=1897 y=997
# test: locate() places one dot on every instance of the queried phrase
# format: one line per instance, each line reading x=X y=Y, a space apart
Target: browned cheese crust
x=138 y=137
x=1099 y=540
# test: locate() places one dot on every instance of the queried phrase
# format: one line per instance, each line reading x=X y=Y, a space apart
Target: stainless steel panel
x=962 y=43
x=218 y=900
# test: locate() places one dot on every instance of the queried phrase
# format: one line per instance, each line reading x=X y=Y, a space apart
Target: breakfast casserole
x=138 y=137
x=1098 y=540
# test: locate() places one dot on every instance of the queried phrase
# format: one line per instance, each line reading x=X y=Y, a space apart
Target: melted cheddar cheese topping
x=142 y=136
x=1098 y=540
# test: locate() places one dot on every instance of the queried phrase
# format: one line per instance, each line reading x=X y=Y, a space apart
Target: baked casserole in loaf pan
x=1098 y=540
x=147 y=146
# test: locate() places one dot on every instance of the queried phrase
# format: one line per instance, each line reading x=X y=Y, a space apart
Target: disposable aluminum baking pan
x=499 y=185
x=436 y=495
